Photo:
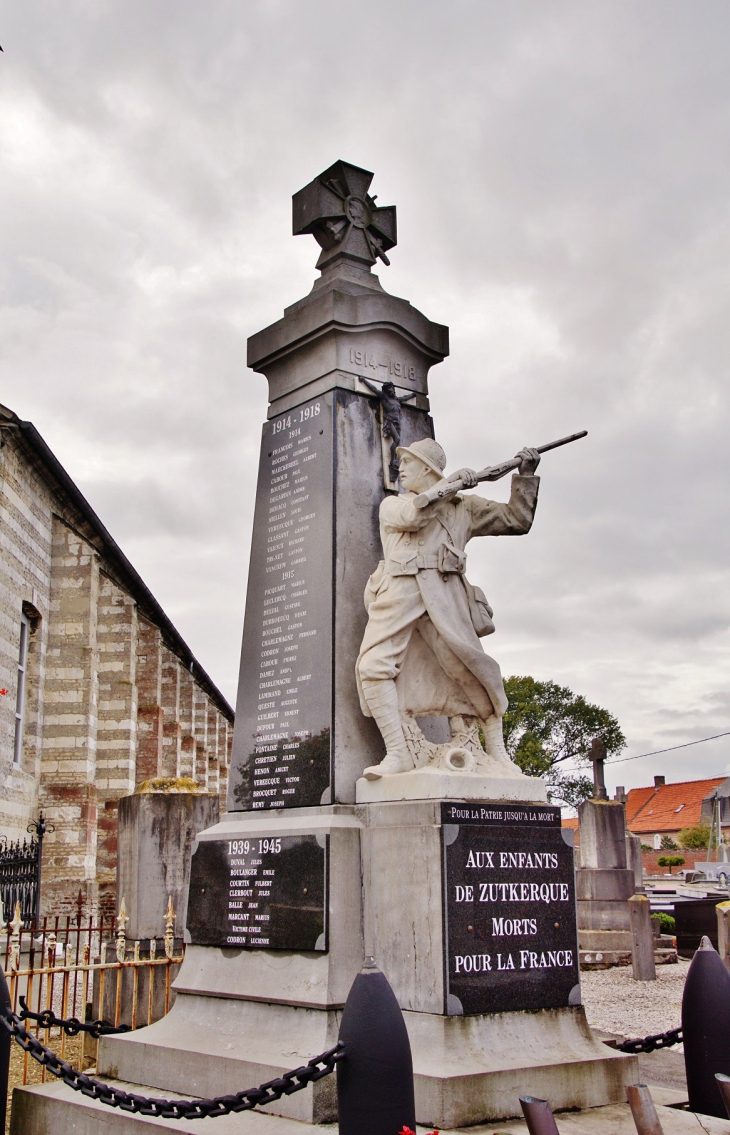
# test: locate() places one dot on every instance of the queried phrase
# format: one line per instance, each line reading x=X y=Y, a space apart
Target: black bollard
x=706 y=1029
x=375 y=1080
x=723 y=1083
x=538 y=1116
x=5 y=1044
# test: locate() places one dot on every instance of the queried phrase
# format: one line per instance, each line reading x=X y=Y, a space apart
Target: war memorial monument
x=373 y=809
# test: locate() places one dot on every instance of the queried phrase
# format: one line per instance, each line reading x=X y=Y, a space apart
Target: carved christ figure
x=421 y=655
x=391 y=403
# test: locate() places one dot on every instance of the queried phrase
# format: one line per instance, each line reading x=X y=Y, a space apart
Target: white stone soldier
x=421 y=654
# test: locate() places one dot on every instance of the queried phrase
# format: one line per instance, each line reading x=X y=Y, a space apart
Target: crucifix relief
x=390 y=414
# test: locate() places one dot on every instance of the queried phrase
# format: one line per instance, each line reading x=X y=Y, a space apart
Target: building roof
x=635 y=801
x=80 y=515
x=668 y=807
x=572 y=823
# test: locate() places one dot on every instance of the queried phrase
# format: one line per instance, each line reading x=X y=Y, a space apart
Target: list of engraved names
x=281 y=756
x=261 y=892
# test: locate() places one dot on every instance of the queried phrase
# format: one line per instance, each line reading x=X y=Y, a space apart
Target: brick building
x=664 y=809
x=98 y=691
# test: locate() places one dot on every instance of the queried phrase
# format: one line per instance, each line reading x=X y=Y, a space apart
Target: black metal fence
x=19 y=877
x=20 y=872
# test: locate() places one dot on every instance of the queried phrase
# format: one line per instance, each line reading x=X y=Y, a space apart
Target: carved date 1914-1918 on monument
x=509 y=903
x=259 y=892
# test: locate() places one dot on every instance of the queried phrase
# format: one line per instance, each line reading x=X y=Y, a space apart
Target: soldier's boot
x=494 y=741
x=382 y=699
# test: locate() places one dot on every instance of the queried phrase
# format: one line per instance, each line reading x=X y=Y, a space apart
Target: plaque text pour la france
x=283 y=717
x=509 y=886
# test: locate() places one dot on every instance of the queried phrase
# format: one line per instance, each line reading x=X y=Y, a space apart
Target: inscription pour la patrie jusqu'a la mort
x=285 y=694
x=510 y=898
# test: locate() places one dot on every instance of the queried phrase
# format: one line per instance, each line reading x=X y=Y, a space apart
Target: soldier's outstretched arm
x=492 y=518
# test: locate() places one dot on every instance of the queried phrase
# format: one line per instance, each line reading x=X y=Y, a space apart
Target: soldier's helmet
x=428 y=451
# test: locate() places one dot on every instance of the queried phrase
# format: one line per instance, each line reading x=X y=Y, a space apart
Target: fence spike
x=16 y=926
x=169 y=929
x=122 y=920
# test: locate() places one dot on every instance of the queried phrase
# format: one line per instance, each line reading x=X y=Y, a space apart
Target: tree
x=670 y=861
x=694 y=838
x=547 y=724
x=668 y=844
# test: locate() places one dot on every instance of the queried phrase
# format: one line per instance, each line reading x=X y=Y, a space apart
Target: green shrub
x=694 y=838
x=667 y=922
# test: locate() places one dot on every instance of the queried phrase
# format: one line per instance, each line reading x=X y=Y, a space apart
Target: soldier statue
x=420 y=654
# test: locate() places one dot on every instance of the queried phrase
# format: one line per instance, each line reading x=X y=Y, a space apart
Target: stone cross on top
x=338 y=211
x=598 y=756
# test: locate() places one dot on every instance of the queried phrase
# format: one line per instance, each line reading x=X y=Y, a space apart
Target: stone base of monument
x=469 y=911
x=439 y=784
x=46 y=1109
x=243 y=1015
x=467 y=1069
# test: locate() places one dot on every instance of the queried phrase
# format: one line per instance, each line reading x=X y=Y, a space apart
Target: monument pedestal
x=431 y=783
x=395 y=886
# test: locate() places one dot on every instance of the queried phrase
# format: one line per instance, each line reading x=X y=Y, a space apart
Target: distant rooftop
x=670 y=807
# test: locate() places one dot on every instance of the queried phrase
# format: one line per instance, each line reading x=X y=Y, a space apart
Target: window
x=20 y=703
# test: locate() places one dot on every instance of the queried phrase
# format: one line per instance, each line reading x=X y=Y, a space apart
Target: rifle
x=446 y=489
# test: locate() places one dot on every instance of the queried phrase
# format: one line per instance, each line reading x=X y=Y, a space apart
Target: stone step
x=47 y=1109
x=52 y=1108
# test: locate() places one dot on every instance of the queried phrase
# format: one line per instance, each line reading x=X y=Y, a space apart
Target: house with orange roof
x=664 y=809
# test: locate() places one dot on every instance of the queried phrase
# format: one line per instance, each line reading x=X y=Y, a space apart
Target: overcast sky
x=562 y=178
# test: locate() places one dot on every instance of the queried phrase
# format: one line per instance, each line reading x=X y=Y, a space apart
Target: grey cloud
x=561 y=175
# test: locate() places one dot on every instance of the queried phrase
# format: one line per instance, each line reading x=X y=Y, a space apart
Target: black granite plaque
x=509 y=904
x=259 y=893
x=282 y=739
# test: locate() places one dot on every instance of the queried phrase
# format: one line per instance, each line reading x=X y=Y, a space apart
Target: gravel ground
x=33 y=1070
x=616 y=1003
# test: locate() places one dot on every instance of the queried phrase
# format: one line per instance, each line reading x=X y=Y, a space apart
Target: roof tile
x=668 y=807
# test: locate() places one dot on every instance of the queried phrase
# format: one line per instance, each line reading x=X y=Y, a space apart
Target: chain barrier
x=72 y=1026
x=652 y=1043
x=285 y=1085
